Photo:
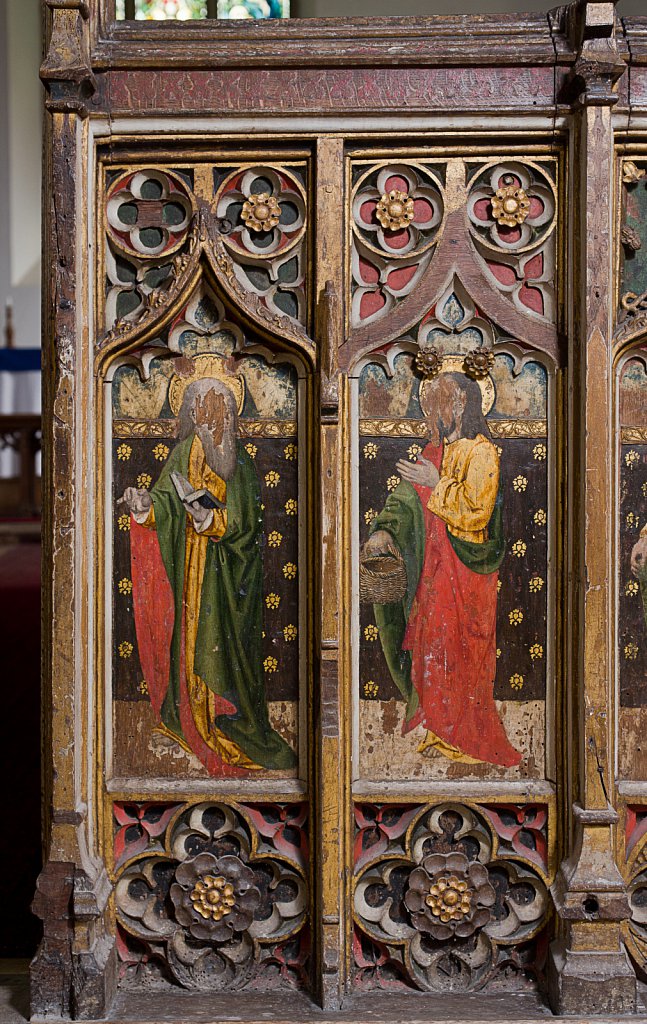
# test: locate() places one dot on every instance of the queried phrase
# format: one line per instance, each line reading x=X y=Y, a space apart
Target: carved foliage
x=511 y=212
x=397 y=213
x=632 y=315
x=212 y=896
x=440 y=904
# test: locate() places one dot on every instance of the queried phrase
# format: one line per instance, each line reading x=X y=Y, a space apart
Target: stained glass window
x=186 y=10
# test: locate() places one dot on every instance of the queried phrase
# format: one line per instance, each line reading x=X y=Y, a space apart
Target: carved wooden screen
x=346 y=398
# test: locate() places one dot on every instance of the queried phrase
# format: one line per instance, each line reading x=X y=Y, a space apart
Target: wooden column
x=590 y=972
x=333 y=801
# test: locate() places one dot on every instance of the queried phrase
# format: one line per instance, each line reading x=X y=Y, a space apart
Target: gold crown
x=456 y=364
x=205 y=367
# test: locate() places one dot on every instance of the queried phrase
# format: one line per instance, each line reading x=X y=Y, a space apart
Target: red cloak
x=451 y=634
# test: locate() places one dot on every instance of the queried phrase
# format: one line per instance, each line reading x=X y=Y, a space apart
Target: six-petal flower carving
x=448 y=895
x=214 y=896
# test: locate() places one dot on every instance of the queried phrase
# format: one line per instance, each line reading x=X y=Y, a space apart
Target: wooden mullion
x=329 y=736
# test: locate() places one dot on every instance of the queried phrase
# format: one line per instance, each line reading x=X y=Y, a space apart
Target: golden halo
x=455 y=364
x=205 y=367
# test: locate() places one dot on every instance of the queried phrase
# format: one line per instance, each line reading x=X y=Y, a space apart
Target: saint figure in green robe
x=197 y=575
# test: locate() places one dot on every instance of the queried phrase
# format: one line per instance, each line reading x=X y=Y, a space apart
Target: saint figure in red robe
x=444 y=518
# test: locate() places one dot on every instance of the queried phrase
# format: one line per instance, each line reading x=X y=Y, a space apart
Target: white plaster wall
x=20 y=166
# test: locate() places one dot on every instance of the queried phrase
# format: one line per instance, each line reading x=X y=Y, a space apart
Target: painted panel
x=205 y=589
x=453 y=655
x=632 y=567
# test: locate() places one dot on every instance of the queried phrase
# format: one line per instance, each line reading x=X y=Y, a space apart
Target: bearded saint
x=445 y=519
x=197 y=593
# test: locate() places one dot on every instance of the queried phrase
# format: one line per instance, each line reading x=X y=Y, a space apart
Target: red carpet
x=19 y=746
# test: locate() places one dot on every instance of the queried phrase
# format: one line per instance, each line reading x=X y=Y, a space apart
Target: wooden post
x=333 y=799
x=590 y=972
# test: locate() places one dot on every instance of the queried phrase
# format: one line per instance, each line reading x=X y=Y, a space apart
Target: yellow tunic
x=465 y=495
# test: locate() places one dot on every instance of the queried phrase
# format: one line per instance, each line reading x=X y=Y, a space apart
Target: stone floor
x=378 y=1008
x=14 y=991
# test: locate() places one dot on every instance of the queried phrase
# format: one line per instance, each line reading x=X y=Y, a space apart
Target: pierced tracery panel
x=252 y=218
x=212 y=896
x=149 y=216
x=263 y=221
x=441 y=901
x=511 y=208
x=397 y=214
x=414 y=221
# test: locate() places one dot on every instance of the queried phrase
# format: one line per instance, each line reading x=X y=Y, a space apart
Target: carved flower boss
x=214 y=897
x=429 y=361
x=478 y=363
x=395 y=210
x=510 y=205
x=448 y=896
x=261 y=212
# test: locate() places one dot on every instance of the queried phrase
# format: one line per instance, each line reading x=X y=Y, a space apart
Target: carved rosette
x=397 y=214
x=511 y=210
x=441 y=900
x=429 y=362
x=263 y=222
x=478 y=363
x=448 y=896
x=510 y=206
x=218 y=894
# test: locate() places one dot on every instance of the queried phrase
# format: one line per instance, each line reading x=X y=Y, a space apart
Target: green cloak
x=404 y=518
x=229 y=652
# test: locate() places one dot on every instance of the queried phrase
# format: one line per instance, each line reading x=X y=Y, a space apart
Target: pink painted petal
x=536 y=207
x=397 y=239
x=371 y=303
x=396 y=183
x=483 y=209
x=367 y=211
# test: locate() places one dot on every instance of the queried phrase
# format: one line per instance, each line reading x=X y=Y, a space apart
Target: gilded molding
x=633 y=435
x=416 y=428
x=124 y=428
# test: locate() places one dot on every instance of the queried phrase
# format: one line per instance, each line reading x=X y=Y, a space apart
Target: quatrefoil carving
x=149 y=213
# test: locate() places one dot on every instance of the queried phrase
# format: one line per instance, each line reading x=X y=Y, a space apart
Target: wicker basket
x=382 y=579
